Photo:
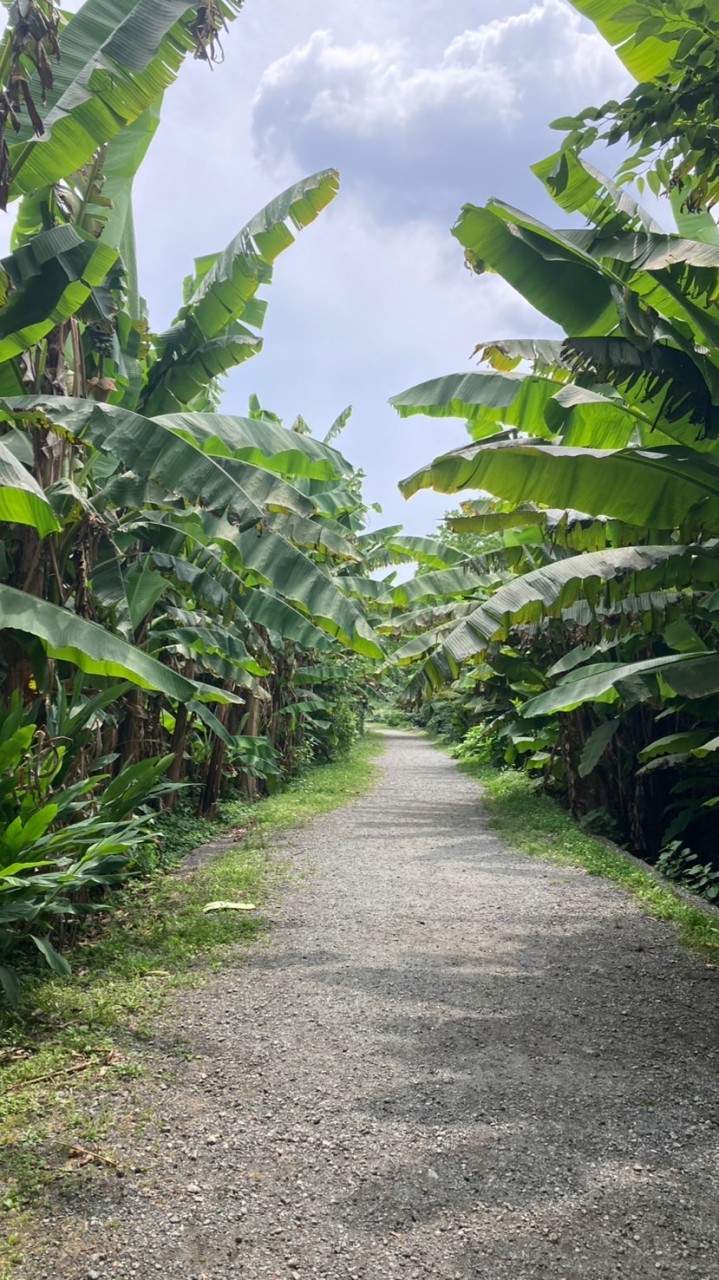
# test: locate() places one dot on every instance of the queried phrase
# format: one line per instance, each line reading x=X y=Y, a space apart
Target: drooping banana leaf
x=157 y=456
x=426 y=617
x=210 y=578
x=212 y=640
x=658 y=488
x=583 y=417
x=488 y=401
x=579 y=278
x=22 y=501
x=268 y=558
x=266 y=609
x=322 y=535
x=86 y=645
x=432 y=552
x=686 y=674
x=52 y=277
x=565 y=528
x=579 y=187
x=458 y=581
x=117 y=58
x=547 y=591
x=570 y=290
x=260 y=442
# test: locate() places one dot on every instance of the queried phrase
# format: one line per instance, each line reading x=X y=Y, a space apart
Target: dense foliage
x=172 y=607
x=580 y=640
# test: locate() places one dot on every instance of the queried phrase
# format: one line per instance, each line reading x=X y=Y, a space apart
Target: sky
x=422 y=105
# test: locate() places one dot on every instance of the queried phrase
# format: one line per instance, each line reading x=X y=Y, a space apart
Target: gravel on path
x=450 y=1062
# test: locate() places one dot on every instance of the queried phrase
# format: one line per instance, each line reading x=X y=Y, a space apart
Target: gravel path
x=450 y=1062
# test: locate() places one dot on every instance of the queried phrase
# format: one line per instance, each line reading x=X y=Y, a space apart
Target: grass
x=72 y=1040
x=537 y=825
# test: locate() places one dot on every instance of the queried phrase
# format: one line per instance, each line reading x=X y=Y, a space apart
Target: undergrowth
x=72 y=1039
x=537 y=825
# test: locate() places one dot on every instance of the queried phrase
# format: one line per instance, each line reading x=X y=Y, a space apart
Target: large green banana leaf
x=687 y=674
x=187 y=548
x=212 y=641
x=117 y=58
x=366 y=589
x=281 y=619
x=432 y=552
x=563 y=527
x=579 y=187
x=571 y=289
x=576 y=278
x=94 y=650
x=582 y=417
x=322 y=535
x=260 y=442
x=52 y=277
x=267 y=558
x=187 y=380
x=419 y=646
x=225 y=290
x=22 y=501
x=457 y=581
x=544 y=407
x=262 y=557
x=488 y=401
x=659 y=488
x=645 y=35
x=156 y=456
x=426 y=617
x=554 y=587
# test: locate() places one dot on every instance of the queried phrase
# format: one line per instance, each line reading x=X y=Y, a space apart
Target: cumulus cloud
x=419 y=139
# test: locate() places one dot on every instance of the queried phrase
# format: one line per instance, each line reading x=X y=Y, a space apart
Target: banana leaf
x=228 y=287
x=22 y=501
x=117 y=58
x=657 y=488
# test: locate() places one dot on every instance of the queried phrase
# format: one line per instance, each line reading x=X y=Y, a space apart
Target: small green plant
x=475 y=745
x=678 y=863
x=599 y=822
x=392 y=717
x=62 y=843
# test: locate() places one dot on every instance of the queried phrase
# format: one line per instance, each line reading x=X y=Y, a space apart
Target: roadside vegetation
x=565 y=621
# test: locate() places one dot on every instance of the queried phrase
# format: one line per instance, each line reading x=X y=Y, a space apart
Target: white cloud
x=423 y=137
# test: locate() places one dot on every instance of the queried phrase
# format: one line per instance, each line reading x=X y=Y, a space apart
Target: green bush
x=63 y=843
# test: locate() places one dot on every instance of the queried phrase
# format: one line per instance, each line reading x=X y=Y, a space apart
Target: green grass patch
x=76 y=1037
x=539 y=826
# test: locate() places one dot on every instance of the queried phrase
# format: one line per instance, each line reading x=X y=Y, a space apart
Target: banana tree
x=599 y=450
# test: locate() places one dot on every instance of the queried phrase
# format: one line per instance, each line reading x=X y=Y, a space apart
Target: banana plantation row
x=190 y=603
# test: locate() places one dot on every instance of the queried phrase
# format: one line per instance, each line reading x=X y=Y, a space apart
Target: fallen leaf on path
x=229 y=906
x=81 y=1156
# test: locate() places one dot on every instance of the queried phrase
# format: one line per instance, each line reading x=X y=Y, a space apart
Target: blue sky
x=422 y=105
